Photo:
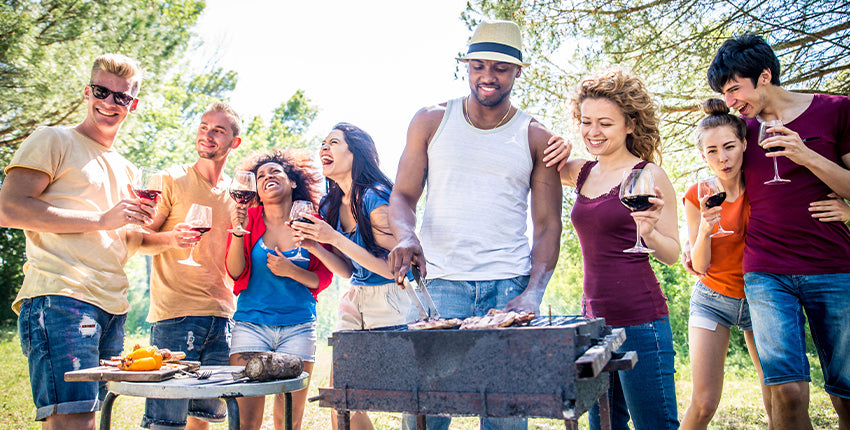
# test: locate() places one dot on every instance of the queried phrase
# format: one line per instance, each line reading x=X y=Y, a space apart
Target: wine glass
x=637 y=187
x=764 y=134
x=299 y=207
x=713 y=188
x=243 y=189
x=146 y=185
x=199 y=218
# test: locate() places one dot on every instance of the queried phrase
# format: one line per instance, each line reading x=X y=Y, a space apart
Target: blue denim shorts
x=778 y=303
x=709 y=308
x=298 y=339
x=60 y=334
x=205 y=339
x=461 y=299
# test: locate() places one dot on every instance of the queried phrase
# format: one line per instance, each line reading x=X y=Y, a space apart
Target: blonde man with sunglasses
x=69 y=190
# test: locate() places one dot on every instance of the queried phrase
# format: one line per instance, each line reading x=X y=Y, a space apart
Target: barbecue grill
x=556 y=367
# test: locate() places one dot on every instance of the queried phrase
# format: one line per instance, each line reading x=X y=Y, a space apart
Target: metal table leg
x=232 y=413
x=106 y=411
x=604 y=412
x=287 y=410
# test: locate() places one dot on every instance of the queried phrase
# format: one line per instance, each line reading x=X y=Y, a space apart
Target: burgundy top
x=782 y=237
x=618 y=286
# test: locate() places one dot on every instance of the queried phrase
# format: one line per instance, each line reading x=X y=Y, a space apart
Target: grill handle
x=594 y=360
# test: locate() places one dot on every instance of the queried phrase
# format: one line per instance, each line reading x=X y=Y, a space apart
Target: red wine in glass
x=715 y=199
x=637 y=202
x=716 y=192
x=201 y=230
x=303 y=219
x=637 y=187
x=243 y=189
x=147 y=193
x=243 y=197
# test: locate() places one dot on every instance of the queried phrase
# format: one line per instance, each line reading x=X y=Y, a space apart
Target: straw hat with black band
x=496 y=41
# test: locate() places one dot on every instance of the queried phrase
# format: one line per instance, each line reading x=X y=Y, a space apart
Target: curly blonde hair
x=630 y=94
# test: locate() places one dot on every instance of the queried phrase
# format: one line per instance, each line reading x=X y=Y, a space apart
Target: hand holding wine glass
x=199 y=218
x=295 y=215
x=712 y=192
x=243 y=189
x=147 y=186
x=637 y=187
x=766 y=132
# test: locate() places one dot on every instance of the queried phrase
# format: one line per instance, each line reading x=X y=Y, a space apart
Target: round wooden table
x=219 y=386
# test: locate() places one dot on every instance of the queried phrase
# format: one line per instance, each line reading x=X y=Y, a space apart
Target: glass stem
x=775 y=169
x=637 y=241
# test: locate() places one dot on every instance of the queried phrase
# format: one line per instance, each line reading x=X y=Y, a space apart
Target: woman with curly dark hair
x=618 y=125
x=357 y=228
x=276 y=304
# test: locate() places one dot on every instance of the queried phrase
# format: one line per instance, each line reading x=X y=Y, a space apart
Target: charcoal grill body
x=507 y=372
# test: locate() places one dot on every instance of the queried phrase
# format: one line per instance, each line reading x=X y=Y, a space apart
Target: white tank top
x=476 y=205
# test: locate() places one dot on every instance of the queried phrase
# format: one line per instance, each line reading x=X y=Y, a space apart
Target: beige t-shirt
x=84 y=175
x=176 y=289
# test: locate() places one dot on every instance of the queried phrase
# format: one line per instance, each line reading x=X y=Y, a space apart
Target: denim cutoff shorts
x=297 y=339
x=709 y=308
x=60 y=334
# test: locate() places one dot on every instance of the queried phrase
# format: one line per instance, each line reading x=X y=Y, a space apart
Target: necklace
x=469 y=120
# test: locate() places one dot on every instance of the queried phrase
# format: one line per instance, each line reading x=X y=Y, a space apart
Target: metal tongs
x=429 y=313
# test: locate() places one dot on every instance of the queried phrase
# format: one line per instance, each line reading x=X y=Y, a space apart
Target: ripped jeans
x=205 y=339
x=60 y=334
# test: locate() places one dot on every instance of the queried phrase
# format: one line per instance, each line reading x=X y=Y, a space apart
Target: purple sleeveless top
x=620 y=287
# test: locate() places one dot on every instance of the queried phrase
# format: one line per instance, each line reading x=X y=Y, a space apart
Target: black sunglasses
x=101 y=92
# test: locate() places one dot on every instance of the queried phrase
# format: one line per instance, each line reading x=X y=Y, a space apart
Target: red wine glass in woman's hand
x=635 y=191
x=713 y=189
x=243 y=189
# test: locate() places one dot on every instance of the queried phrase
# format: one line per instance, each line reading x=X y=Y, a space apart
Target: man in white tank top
x=481 y=157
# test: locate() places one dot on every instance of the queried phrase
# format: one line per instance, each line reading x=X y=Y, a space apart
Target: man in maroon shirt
x=792 y=261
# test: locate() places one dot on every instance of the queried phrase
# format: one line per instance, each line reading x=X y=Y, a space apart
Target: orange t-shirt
x=725 y=271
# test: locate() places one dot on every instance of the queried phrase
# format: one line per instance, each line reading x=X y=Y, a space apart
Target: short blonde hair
x=121 y=66
x=631 y=95
x=230 y=113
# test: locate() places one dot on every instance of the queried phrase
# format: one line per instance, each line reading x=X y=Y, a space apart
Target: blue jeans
x=646 y=393
x=60 y=334
x=777 y=303
x=461 y=299
x=204 y=339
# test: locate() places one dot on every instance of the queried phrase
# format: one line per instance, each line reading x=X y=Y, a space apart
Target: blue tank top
x=273 y=300
x=371 y=201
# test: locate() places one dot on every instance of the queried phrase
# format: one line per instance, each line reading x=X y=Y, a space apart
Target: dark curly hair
x=365 y=174
x=630 y=94
x=298 y=166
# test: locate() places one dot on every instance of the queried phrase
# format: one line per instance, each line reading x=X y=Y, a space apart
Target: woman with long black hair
x=356 y=225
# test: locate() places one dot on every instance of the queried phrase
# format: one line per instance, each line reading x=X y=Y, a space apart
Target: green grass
x=740 y=407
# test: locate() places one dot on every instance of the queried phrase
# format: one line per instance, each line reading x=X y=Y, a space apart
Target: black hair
x=365 y=174
x=719 y=116
x=743 y=56
x=298 y=167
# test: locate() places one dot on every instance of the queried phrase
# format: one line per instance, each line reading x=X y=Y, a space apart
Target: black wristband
x=237 y=235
